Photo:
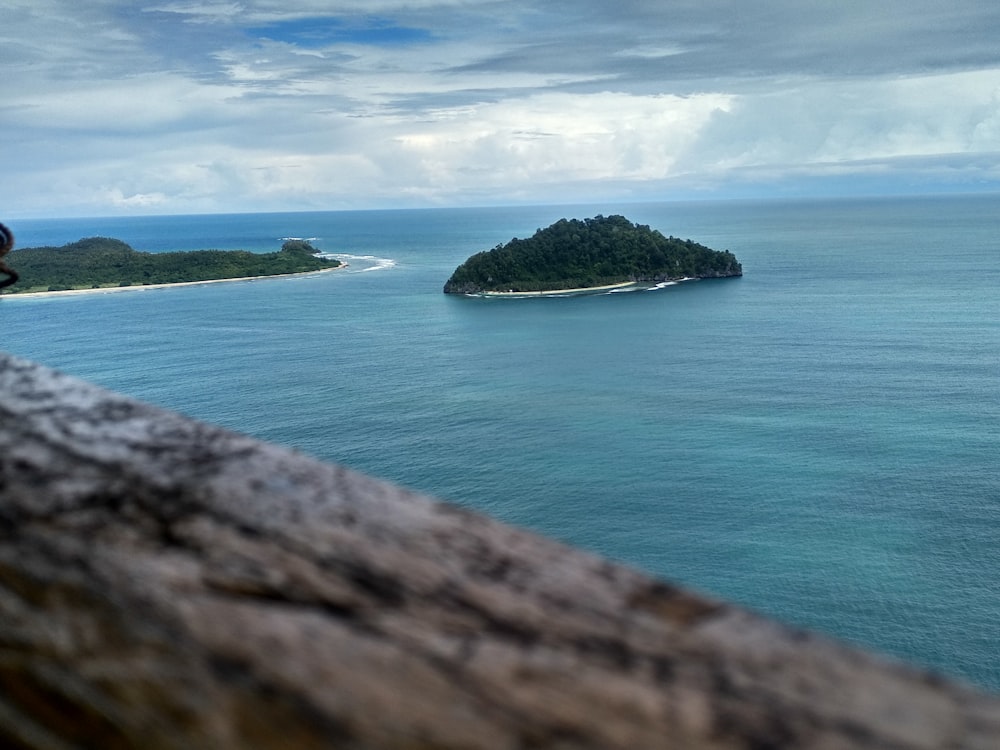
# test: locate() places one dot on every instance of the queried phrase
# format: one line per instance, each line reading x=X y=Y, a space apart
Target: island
x=104 y=263
x=588 y=255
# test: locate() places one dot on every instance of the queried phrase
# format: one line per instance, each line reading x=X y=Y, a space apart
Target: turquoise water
x=817 y=440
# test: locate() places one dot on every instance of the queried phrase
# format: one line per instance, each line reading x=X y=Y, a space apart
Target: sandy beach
x=144 y=287
x=556 y=292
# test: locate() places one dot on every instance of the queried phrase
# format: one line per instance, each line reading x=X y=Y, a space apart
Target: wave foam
x=362 y=263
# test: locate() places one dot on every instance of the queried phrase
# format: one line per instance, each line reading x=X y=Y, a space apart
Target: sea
x=818 y=441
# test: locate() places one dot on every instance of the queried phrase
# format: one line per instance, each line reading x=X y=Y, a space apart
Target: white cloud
x=139 y=104
x=200 y=12
x=557 y=137
x=116 y=197
x=844 y=121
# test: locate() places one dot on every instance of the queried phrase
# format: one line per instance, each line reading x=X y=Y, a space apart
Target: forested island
x=589 y=253
x=102 y=262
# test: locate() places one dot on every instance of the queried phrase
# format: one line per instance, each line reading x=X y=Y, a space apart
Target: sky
x=201 y=106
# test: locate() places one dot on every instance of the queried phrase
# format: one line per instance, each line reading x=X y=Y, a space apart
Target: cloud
x=558 y=136
x=838 y=121
x=199 y=12
x=184 y=106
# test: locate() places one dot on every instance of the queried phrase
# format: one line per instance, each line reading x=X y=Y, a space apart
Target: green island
x=103 y=262
x=581 y=255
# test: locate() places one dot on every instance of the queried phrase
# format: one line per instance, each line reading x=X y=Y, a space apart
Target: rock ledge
x=167 y=584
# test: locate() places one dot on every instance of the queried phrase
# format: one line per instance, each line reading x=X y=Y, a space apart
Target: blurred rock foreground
x=168 y=584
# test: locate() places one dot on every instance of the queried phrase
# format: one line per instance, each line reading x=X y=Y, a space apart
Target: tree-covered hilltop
x=97 y=262
x=573 y=254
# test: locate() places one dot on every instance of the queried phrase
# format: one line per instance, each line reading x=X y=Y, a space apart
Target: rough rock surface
x=168 y=584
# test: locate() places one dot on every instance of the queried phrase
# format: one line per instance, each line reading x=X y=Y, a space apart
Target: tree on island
x=576 y=253
x=96 y=262
x=298 y=246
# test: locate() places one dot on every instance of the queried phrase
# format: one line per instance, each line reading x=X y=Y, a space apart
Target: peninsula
x=105 y=263
x=579 y=255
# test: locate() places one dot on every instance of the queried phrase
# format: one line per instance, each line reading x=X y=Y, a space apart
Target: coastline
x=557 y=292
x=586 y=289
x=144 y=287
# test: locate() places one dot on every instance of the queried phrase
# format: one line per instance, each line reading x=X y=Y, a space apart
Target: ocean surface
x=818 y=441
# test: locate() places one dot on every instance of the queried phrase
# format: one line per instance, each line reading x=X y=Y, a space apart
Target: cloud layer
x=112 y=106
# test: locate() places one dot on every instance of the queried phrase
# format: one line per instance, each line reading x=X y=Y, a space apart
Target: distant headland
x=589 y=255
x=106 y=264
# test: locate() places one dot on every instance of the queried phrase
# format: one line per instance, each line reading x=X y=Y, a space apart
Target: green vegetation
x=573 y=254
x=98 y=262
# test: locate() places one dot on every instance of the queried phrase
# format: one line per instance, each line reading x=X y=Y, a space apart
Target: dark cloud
x=720 y=40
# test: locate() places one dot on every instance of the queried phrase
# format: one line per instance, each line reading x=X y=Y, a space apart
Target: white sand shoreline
x=144 y=287
x=555 y=292
x=648 y=285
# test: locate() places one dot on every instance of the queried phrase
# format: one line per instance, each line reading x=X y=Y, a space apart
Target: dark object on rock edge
x=6 y=245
